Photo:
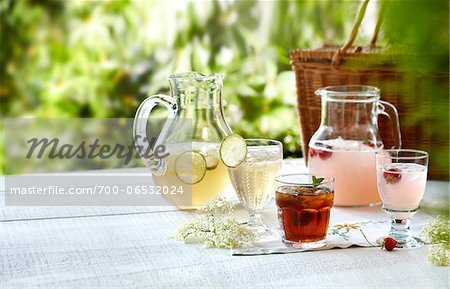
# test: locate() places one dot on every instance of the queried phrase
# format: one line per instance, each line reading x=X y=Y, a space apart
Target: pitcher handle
x=144 y=148
x=389 y=110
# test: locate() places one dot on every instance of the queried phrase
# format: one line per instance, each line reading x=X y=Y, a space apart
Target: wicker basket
x=347 y=64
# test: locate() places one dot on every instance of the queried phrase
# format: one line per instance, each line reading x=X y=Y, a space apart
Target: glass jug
x=344 y=145
x=195 y=124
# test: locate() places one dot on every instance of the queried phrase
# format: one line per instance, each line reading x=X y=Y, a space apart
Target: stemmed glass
x=254 y=181
x=401 y=179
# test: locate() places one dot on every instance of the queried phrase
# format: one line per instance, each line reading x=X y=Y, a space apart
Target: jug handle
x=387 y=109
x=145 y=150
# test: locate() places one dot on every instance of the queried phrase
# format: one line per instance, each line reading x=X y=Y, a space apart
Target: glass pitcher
x=344 y=145
x=195 y=124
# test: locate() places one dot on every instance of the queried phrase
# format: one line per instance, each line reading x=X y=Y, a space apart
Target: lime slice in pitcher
x=190 y=167
x=233 y=150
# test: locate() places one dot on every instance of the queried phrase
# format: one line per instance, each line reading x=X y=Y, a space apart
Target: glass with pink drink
x=347 y=139
x=401 y=179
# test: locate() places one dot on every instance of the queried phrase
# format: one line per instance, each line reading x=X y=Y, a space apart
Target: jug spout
x=349 y=93
x=192 y=75
x=195 y=90
x=350 y=110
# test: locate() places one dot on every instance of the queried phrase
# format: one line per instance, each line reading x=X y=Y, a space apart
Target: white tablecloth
x=129 y=247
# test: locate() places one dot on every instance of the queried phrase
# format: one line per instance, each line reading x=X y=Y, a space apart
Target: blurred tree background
x=101 y=58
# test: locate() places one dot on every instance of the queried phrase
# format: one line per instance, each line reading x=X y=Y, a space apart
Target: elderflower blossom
x=437 y=232
x=214 y=230
x=219 y=206
x=439 y=255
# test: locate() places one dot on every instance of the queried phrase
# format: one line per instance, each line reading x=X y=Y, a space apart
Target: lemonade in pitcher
x=345 y=144
x=191 y=135
x=352 y=164
x=202 y=175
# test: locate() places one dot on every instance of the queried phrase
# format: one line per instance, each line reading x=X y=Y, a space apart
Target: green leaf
x=317 y=181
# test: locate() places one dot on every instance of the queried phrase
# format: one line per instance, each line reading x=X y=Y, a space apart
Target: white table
x=128 y=247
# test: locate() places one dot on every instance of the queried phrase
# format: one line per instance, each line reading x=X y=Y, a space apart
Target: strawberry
x=324 y=154
x=318 y=151
x=389 y=244
x=369 y=143
x=392 y=175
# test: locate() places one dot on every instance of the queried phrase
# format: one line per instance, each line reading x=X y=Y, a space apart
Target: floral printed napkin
x=343 y=235
x=350 y=227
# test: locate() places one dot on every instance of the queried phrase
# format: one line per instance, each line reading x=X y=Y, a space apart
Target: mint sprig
x=317 y=181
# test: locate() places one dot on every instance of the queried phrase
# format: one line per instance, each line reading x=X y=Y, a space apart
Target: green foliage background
x=101 y=59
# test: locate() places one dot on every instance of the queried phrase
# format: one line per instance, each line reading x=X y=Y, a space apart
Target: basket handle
x=337 y=57
x=374 y=39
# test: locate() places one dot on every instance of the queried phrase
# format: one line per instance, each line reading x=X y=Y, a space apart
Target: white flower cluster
x=218 y=206
x=215 y=230
x=439 y=255
x=437 y=232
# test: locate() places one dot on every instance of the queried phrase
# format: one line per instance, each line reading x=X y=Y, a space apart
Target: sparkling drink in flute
x=254 y=180
x=352 y=164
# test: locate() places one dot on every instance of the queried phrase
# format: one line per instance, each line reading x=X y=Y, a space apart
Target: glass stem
x=400 y=230
x=255 y=220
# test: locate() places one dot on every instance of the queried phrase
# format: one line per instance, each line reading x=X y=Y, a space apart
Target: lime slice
x=233 y=150
x=190 y=167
